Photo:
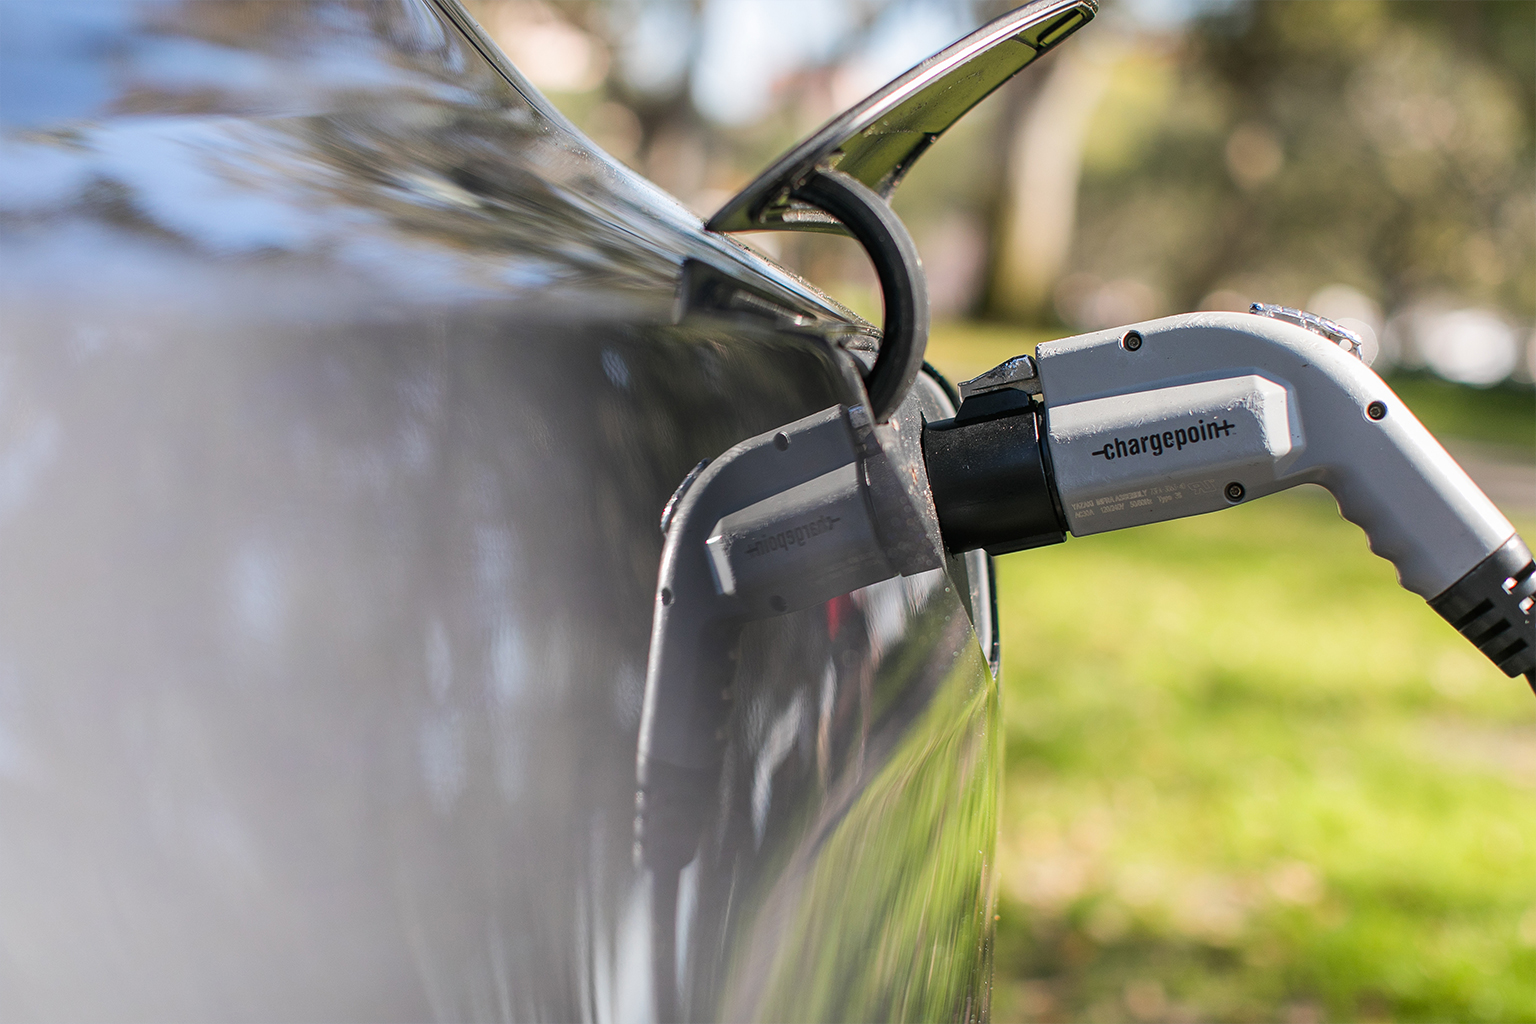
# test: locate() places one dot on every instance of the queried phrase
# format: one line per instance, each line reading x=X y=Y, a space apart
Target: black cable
x=903 y=288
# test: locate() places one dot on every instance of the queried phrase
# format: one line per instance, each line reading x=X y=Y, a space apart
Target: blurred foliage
x=1248 y=785
x=1504 y=415
x=1262 y=150
x=1282 y=146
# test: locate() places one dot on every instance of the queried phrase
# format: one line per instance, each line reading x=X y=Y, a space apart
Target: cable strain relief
x=1492 y=607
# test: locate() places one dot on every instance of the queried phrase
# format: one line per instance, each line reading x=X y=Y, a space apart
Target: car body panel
x=341 y=387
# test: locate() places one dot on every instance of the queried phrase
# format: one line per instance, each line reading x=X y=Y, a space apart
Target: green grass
x=1250 y=778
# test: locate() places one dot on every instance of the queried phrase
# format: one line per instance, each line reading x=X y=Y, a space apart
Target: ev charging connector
x=1200 y=412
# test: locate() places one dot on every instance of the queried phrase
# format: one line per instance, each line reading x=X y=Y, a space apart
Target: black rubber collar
x=903 y=288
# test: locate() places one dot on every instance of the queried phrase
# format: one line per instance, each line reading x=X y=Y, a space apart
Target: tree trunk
x=1043 y=139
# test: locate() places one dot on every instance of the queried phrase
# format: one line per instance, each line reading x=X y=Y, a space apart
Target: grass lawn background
x=1251 y=778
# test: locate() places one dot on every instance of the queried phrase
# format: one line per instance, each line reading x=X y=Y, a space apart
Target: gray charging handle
x=1305 y=410
x=1193 y=413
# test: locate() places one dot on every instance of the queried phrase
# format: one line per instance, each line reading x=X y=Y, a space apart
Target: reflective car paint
x=341 y=386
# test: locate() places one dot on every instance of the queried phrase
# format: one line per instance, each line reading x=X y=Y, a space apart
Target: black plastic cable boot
x=991 y=481
x=1492 y=607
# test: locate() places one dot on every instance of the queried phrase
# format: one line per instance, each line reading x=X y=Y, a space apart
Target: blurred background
x=1276 y=787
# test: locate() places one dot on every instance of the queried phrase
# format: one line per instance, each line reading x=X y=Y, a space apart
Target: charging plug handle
x=1194 y=413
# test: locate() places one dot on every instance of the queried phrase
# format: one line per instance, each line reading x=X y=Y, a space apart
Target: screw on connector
x=1234 y=492
x=1131 y=341
x=1376 y=410
x=781 y=441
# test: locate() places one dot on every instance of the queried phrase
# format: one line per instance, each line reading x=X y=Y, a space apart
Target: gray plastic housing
x=1214 y=408
x=782 y=521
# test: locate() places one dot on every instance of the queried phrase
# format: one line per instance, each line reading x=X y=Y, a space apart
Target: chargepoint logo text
x=1167 y=440
x=792 y=538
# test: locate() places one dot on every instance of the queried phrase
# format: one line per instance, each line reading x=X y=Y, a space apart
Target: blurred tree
x=628 y=82
x=1039 y=164
x=658 y=49
x=658 y=101
x=1264 y=151
x=1283 y=146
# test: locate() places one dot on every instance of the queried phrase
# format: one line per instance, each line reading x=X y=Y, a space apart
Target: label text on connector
x=795 y=536
x=1158 y=495
x=1155 y=444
